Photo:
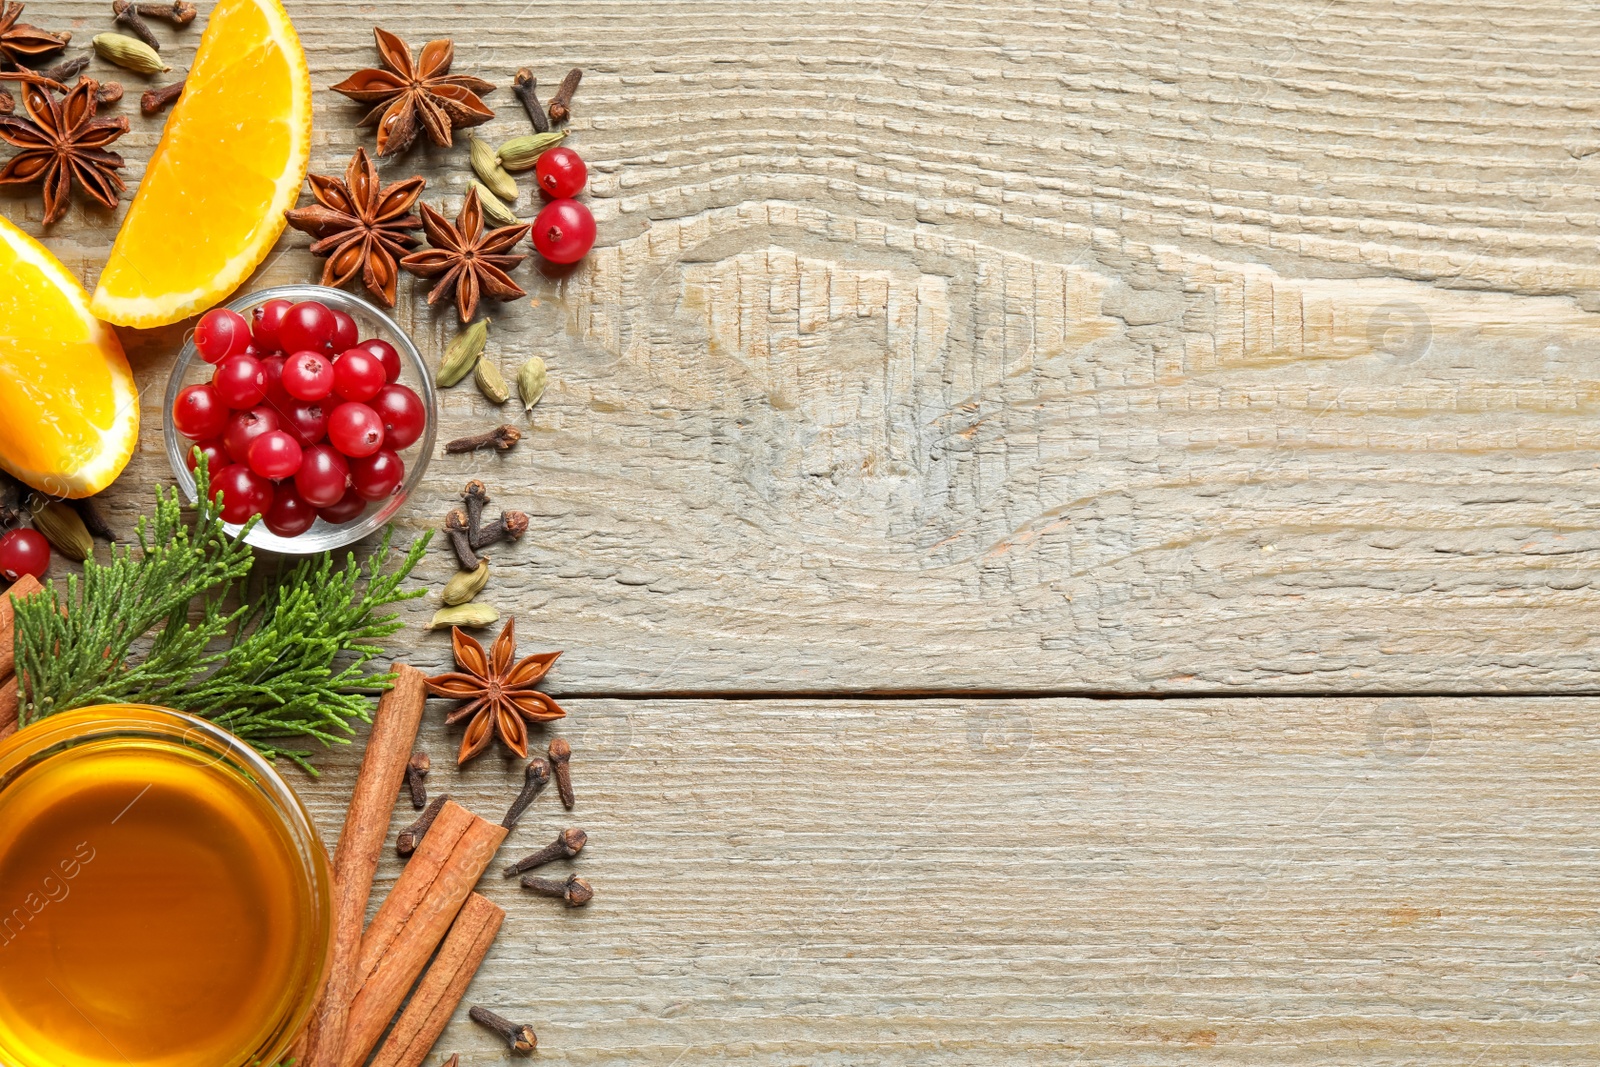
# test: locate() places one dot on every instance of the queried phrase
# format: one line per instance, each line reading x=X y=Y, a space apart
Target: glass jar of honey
x=164 y=898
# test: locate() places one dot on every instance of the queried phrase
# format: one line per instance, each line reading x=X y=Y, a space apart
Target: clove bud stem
x=67 y=69
x=524 y=87
x=561 y=103
x=519 y=1038
x=455 y=528
x=127 y=15
x=534 y=779
x=416 y=771
x=574 y=890
x=510 y=526
x=568 y=843
x=407 y=842
x=560 y=754
x=179 y=12
x=501 y=439
x=154 y=100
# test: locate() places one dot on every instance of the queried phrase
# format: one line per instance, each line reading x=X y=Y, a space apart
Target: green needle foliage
x=291 y=660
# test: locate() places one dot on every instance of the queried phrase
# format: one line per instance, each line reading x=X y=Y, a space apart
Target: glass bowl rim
x=371 y=521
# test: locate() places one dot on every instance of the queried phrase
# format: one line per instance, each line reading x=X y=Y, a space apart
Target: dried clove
x=534 y=779
x=568 y=843
x=510 y=526
x=67 y=69
x=519 y=1038
x=416 y=773
x=574 y=890
x=501 y=439
x=561 y=103
x=129 y=17
x=179 y=12
x=154 y=100
x=108 y=93
x=524 y=87
x=407 y=842
x=560 y=754
x=456 y=529
x=476 y=497
x=94 y=518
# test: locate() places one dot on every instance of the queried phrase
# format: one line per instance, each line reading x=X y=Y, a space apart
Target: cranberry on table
x=221 y=333
x=199 y=412
x=355 y=430
x=290 y=515
x=274 y=455
x=358 y=375
x=564 y=231
x=377 y=476
x=561 y=172
x=307 y=325
x=403 y=415
x=244 y=427
x=265 y=322
x=345 y=334
x=24 y=552
x=240 y=381
x=387 y=354
x=308 y=375
x=215 y=455
x=323 y=477
x=304 y=420
x=350 y=506
x=244 y=493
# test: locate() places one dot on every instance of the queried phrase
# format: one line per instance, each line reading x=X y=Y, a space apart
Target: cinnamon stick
x=355 y=861
x=27 y=585
x=443 y=986
x=413 y=919
x=8 y=707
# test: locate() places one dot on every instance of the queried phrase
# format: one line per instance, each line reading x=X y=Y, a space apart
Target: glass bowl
x=372 y=322
x=171 y=881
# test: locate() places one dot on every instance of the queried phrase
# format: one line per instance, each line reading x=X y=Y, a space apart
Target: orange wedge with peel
x=69 y=413
x=230 y=161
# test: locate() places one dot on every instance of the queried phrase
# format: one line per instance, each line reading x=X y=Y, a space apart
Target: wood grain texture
x=945 y=345
x=1261 y=881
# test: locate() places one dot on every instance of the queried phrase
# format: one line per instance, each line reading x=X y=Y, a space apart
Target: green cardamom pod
x=129 y=53
x=531 y=381
x=62 y=526
x=489 y=170
x=462 y=355
x=495 y=213
x=468 y=615
x=491 y=383
x=466 y=584
x=522 y=153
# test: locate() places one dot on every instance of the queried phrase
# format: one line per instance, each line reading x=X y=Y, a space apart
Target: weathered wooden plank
x=1005 y=345
x=1288 y=881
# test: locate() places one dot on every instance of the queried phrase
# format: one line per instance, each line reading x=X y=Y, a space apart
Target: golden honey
x=162 y=899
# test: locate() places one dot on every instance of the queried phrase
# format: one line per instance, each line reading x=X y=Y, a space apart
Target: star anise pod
x=501 y=700
x=20 y=41
x=361 y=226
x=465 y=260
x=63 y=142
x=424 y=95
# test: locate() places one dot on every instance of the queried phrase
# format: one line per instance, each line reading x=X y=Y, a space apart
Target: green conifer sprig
x=291 y=661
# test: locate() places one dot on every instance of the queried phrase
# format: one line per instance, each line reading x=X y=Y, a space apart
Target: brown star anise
x=360 y=226
x=408 y=97
x=63 y=142
x=501 y=700
x=20 y=41
x=465 y=260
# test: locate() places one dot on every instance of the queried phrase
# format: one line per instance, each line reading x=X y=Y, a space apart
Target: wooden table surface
x=953 y=380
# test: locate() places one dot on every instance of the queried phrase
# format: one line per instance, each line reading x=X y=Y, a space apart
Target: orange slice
x=71 y=411
x=230 y=161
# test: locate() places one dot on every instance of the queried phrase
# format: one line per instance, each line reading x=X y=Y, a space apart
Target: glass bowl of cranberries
x=313 y=409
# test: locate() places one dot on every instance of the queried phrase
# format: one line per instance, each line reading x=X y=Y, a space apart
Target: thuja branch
x=293 y=662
